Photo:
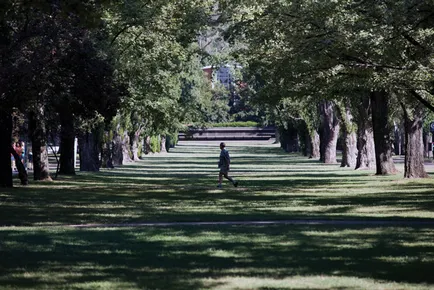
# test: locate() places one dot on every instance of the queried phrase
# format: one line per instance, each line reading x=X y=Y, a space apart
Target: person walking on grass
x=224 y=164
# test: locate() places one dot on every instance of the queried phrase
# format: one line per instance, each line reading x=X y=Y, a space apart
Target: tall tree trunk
x=427 y=144
x=126 y=148
x=382 y=131
x=398 y=144
x=314 y=141
x=163 y=144
x=303 y=131
x=330 y=125
x=170 y=141
x=289 y=138
x=308 y=147
x=365 y=135
x=414 y=153
x=107 y=151
x=292 y=144
x=349 y=157
x=67 y=144
x=147 y=145
x=5 y=144
x=349 y=152
x=39 y=145
x=277 y=134
x=89 y=152
x=117 y=151
x=365 y=148
x=135 y=139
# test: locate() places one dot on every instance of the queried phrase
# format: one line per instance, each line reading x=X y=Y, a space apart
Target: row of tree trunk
x=366 y=135
x=96 y=148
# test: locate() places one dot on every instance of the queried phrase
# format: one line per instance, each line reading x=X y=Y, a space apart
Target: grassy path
x=262 y=223
x=181 y=187
x=389 y=244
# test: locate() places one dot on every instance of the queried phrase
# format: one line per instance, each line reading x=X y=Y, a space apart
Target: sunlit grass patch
x=181 y=186
x=223 y=257
x=311 y=282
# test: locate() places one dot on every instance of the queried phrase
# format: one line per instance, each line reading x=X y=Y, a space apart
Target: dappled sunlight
x=299 y=282
x=37 y=249
x=194 y=257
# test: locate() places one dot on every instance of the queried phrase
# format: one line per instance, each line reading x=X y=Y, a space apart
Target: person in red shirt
x=19 y=149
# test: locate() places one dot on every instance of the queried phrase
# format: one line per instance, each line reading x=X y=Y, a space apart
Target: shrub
x=233 y=124
x=227 y=124
x=155 y=144
x=171 y=140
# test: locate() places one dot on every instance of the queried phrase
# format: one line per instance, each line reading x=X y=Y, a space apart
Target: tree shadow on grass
x=188 y=257
x=160 y=201
x=157 y=190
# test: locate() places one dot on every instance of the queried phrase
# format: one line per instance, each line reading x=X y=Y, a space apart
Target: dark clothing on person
x=224 y=164
x=224 y=161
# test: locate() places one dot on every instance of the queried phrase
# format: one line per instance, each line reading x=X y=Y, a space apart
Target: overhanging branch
x=422 y=100
x=119 y=33
x=413 y=41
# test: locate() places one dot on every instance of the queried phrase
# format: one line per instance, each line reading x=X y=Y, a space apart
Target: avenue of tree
x=123 y=75
x=110 y=74
x=341 y=66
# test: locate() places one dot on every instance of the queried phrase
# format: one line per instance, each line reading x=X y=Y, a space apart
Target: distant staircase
x=229 y=133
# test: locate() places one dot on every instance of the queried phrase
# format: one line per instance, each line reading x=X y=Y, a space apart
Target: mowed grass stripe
x=234 y=257
x=180 y=187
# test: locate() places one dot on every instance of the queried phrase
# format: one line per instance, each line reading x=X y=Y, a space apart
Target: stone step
x=228 y=133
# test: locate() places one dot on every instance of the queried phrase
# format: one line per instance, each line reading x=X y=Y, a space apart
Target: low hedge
x=227 y=124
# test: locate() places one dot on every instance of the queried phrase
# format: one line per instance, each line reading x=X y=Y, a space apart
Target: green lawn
x=37 y=252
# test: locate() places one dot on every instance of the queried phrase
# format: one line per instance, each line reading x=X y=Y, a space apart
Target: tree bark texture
x=126 y=148
x=349 y=157
x=365 y=135
x=5 y=144
x=312 y=141
x=303 y=132
x=349 y=153
x=117 y=151
x=365 y=148
x=147 y=145
x=330 y=126
x=414 y=150
x=399 y=142
x=427 y=143
x=107 y=152
x=67 y=142
x=89 y=152
x=277 y=134
x=382 y=131
x=314 y=145
x=135 y=139
x=289 y=138
x=39 y=145
x=163 y=144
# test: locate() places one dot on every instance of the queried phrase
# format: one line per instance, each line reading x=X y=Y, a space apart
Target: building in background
x=208 y=73
x=223 y=74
